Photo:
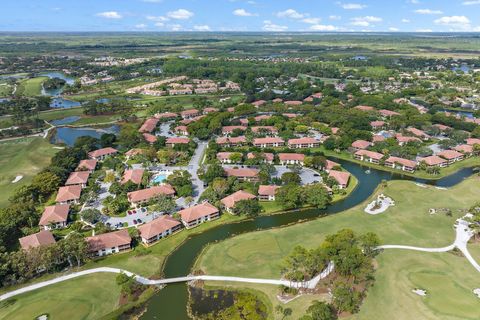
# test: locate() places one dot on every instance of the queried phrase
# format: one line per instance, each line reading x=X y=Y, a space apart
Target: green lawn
x=5 y=89
x=407 y=223
x=25 y=156
x=31 y=87
x=87 y=297
x=60 y=113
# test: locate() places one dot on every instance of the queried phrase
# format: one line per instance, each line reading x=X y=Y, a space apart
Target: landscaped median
x=408 y=222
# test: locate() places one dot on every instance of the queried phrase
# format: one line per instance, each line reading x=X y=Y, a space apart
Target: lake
x=69 y=135
x=56 y=74
x=62 y=103
x=65 y=121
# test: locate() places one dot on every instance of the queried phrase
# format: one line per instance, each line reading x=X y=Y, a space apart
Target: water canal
x=170 y=302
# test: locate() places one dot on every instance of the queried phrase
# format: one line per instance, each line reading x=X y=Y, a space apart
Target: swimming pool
x=159 y=178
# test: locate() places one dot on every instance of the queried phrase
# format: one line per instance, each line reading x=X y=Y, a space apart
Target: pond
x=56 y=74
x=171 y=302
x=68 y=135
x=463 y=68
x=65 y=121
x=62 y=103
x=465 y=114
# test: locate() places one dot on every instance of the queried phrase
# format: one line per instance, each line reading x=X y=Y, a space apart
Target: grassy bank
x=407 y=223
x=26 y=157
x=30 y=87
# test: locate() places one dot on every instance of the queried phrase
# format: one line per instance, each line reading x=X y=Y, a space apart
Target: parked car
x=139 y=220
x=135 y=221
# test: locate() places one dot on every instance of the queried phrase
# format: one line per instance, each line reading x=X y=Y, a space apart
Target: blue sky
x=240 y=15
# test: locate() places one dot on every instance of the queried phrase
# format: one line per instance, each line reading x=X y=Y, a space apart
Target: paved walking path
x=463 y=233
x=307 y=284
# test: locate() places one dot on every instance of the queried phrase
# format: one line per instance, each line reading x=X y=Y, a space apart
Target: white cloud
x=312 y=20
x=290 y=13
x=321 y=27
x=269 y=26
x=424 y=30
x=393 y=29
x=334 y=17
x=413 y=1
x=405 y=21
x=352 y=6
x=243 y=13
x=180 y=14
x=455 y=22
x=110 y=15
x=140 y=26
x=159 y=24
x=153 y=1
x=428 y=11
x=471 y=3
x=157 y=18
x=365 y=21
x=201 y=28
x=175 y=27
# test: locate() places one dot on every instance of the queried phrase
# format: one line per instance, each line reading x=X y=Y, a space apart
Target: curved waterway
x=170 y=302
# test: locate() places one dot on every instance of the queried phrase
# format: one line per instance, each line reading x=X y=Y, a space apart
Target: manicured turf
x=88 y=297
x=26 y=156
x=5 y=89
x=448 y=279
x=31 y=87
x=260 y=254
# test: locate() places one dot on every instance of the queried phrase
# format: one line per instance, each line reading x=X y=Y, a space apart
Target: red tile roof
x=268 y=140
x=235 y=140
x=108 y=240
x=102 y=152
x=54 y=214
x=370 y=154
x=331 y=164
x=87 y=164
x=267 y=190
x=149 y=125
x=361 y=144
x=473 y=141
x=133 y=175
x=225 y=155
x=229 y=201
x=402 y=161
x=68 y=193
x=433 y=160
x=376 y=124
x=293 y=103
x=305 y=140
x=365 y=108
x=259 y=103
x=189 y=112
x=378 y=138
x=464 y=148
x=418 y=132
x=340 y=176
x=152 y=192
x=389 y=113
x=227 y=129
x=267 y=156
x=77 y=177
x=450 y=154
x=262 y=117
x=150 y=138
x=157 y=226
x=242 y=172
x=166 y=115
x=42 y=238
x=291 y=156
x=198 y=211
x=177 y=140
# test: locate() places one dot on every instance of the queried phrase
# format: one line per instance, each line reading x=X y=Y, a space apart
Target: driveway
x=307 y=175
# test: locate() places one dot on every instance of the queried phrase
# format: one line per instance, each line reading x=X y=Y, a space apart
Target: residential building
x=267 y=157
x=302 y=143
x=101 y=154
x=54 y=217
x=227 y=130
x=341 y=177
x=69 y=194
x=473 y=141
x=451 y=156
x=109 y=243
x=192 y=113
x=360 y=145
x=230 y=201
x=158 y=229
x=225 y=157
x=200 y=213
x=173 y=141
x=418 y=133
x=78 y=178
x=267 y=193
x=368 y=156
x=401 y=164
x=231 y=142
x=388 y=113
x=270 y=142
x=182 y=130
x=166 y=115
x=262 y=117
x=365 y=108
x=133 y=175
x=149 y=125
x=466 y=149
x=243 y=174
x=265 y=129
x=150 y=138
x=42 y=238
x=377 y=125
x=87 y=165
x=140 y=197
x=434 y=161
x=291 y=158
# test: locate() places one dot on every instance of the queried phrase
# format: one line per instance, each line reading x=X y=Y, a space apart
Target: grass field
x=5 y=89
x=26 y=157
x=407 y=223
x=88 y=297
x=30 y=87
